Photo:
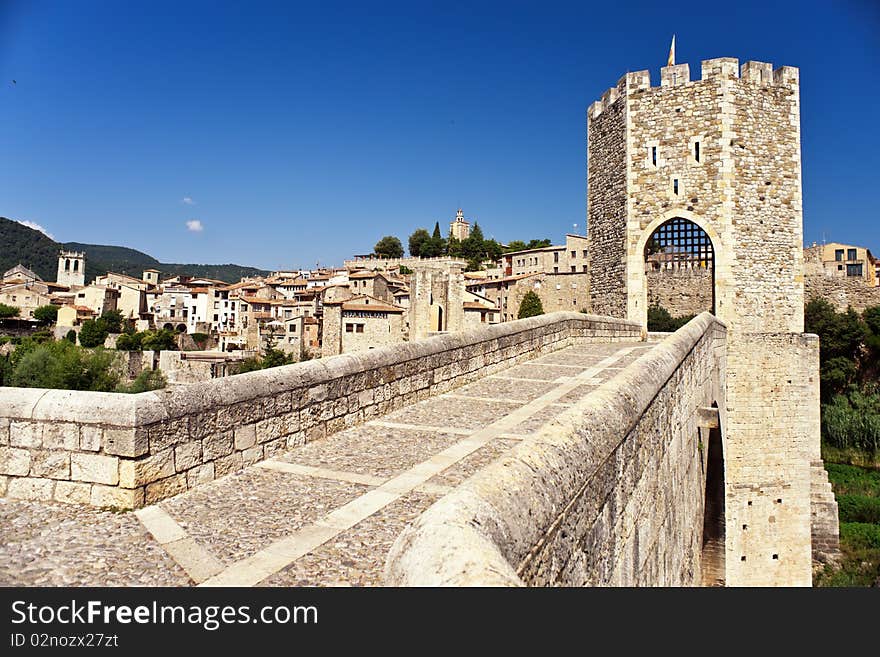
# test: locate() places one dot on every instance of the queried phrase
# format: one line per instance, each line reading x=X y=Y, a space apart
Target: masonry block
x=26 y=434
x=94 y=468
x=126 y=442
x=30 y=488
x=15 y=461
x=50 y=464
x=118 y=498
x=73 y=492
x=138 y=472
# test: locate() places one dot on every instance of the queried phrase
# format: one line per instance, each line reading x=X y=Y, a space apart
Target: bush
x=129 y=342
x=93 y=333
x=860 y=535
x=71 y=336
x=852 y=421
x=64 y=365
x=660 y=320
x=530 y=306
x=46 y=314
x=145 y=381
x=858 y=508
x=853 y=480
x=200 y=339
x=162 y=340
x=8 y=311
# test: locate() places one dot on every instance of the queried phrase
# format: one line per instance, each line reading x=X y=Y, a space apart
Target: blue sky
x=297 y=133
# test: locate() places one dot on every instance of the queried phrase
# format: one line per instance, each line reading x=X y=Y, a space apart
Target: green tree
x=389 y=247
x=8 y=311
x=46 y=314
x=71 y=336
x=454 y=247
x=841 y=338
x=417 y=240
x=112 y=320
x=539 y=244
x=530 y=306
x=93 y=333
x=515 y=245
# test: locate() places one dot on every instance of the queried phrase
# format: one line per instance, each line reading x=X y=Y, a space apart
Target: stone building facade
x=722 y=156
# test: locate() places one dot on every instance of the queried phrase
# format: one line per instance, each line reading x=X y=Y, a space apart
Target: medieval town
x=683 y=392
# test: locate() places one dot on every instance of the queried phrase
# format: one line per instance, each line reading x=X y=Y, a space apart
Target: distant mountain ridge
x=39 y=252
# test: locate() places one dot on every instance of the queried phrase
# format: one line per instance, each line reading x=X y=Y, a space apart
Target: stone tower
x=436 y=298
x=460 y=229
x=72 y=268
x=720 y=157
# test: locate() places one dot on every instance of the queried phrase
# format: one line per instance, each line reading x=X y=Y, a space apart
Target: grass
x=857 y=490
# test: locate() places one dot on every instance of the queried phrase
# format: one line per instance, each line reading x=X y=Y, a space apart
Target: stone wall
x=683 y=292
x=566 y=291
x=607 y=202
x=842 y=292
x=124 y=451
x=611 y=493
x=772 y=452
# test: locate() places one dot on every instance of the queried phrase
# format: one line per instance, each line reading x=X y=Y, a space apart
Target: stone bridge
x=563 y=449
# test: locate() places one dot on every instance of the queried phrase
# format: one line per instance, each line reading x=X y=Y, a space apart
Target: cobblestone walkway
x=325 y=513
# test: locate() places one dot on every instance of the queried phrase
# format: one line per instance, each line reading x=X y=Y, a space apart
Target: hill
x=37 y=251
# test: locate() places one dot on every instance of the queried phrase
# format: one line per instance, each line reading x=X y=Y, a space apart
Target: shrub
x=852 y=421
x=853 y=480
x=162 y=340
x=64 y=365
x=129 y=342
x=71 y=336
x=858 y=508
x=659 y=319
x=145 y=381
x=200 y=339
x=860 y=535
x=530 y=306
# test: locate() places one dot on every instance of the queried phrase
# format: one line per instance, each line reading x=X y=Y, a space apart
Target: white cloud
x=186 y=200
x=36 y=226
x=194 y=226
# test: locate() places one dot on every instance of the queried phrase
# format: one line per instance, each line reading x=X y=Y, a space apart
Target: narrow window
x=360 y=328
x=675 y=186
x=556 y=270
x=556 y=256
x=573 y=269
x=349 y=328
x=697 y=151
x=838 y=255
x=850 y=255
x=574 y=254
x=654 y=155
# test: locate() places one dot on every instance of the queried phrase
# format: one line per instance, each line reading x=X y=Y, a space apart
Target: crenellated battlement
x=721 y=68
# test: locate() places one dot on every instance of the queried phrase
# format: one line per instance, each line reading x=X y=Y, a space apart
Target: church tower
x=459 y=229
x=72 y=268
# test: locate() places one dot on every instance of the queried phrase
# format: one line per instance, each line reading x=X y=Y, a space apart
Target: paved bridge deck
x=325 y=513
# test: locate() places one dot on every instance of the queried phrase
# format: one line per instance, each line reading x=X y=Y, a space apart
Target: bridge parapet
x=124 y=451
x=612 y=493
